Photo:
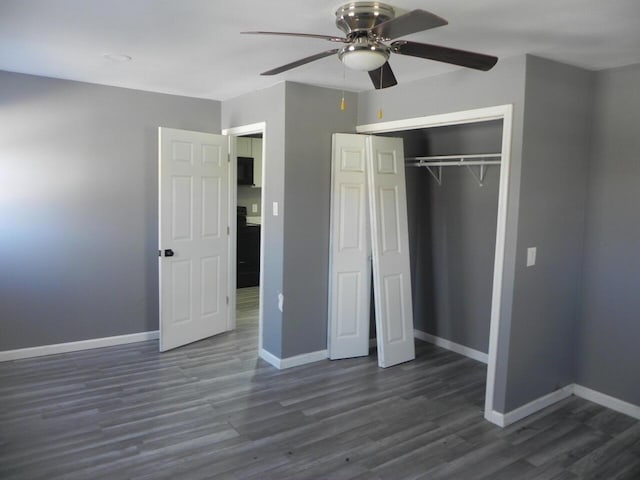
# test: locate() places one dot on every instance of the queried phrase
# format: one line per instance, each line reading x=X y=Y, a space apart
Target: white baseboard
x=454 y=347
x=504 y=419
x=20 y=353
x=289 y=362
x=304 y=359
x=494 y=417
x=269 y=358
x=607 y=401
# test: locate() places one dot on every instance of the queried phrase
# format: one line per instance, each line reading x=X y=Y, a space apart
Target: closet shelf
x=434 y=162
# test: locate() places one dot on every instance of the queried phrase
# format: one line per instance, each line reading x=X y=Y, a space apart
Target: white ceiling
x=194 y=48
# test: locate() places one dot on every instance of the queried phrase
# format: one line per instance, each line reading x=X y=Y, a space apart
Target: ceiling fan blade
x=383 y=77
x=307 y=35
x=300 y=62
x=412 y=22
x=438 y=53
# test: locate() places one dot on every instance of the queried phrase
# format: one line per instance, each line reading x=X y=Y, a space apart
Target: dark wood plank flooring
x=213 y=410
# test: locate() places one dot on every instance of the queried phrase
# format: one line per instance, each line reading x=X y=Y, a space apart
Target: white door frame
x=501 y=112
x=234 y=132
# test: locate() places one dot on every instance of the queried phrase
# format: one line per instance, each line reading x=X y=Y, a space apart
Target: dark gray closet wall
x=452 y=231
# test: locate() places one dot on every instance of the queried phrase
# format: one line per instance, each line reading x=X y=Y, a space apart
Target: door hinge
x=228 y=157
x=227 y=300
x=228 y=231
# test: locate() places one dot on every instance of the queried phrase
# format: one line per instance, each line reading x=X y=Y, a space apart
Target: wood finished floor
x=213 y=410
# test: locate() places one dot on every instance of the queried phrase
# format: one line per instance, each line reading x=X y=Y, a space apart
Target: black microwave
x=245 y=171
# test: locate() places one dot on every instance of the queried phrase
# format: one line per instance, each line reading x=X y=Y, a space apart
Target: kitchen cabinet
x=248 y=256
x=243 y=147
x=256 y=153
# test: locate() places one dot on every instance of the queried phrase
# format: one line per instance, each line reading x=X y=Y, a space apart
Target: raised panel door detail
x=387 y=164
x=348 y=314
x=181 y=291
x=210 y=272
x=182 y=152
x=352 y=160
x=349 y=263
x=389 y=219
x=391 y=269
x=394 y=311
x=182 y=208
x=351 y=210
x=211 y=155
x=211 y=203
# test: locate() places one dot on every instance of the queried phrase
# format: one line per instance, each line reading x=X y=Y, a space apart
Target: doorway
x=248 y=230
x=505 y=114
x=247 y=222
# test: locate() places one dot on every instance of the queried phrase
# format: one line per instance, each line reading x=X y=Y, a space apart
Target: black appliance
x=242 y=216
x=245 y=171
x=248 y=251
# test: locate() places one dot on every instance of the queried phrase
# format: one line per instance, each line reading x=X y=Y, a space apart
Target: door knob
x=168 y=253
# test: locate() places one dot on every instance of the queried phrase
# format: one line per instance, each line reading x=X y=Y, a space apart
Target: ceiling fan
x=368 y=27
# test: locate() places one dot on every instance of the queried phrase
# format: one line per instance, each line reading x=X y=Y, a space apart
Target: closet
x=452 y=178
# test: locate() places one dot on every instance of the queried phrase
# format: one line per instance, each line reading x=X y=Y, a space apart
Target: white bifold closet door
x=350 y=261
x=369 y=222
x=390 y=247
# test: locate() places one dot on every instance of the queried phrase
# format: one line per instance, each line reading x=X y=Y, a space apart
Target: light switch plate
x=531 y=256
x=254 y=208
x=275 y=209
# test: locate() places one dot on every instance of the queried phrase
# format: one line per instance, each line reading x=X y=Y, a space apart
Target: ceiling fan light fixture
x=368 y=27
x=363 y=58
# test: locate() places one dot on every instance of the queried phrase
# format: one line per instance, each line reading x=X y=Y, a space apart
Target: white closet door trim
x=452 y=118
x=504 y=112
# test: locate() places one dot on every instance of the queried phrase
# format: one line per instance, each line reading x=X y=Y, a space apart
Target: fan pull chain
x=380 y=109
x=343 y=104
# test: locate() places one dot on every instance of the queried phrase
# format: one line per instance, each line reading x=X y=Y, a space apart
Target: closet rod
x=439 y=161
x=459 y=158
x=424 y=163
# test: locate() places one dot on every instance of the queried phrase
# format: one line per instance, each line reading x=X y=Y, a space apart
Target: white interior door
x=350 y=271
x=193 y=237
x=390 y=248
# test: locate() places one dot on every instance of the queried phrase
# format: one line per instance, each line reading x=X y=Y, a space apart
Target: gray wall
x=464 y=90
x=79 y=207
x=268 y=106
x=452 y=234
x=552 y=213
x=298 y=177
x=312 y=115
x=608 y=359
